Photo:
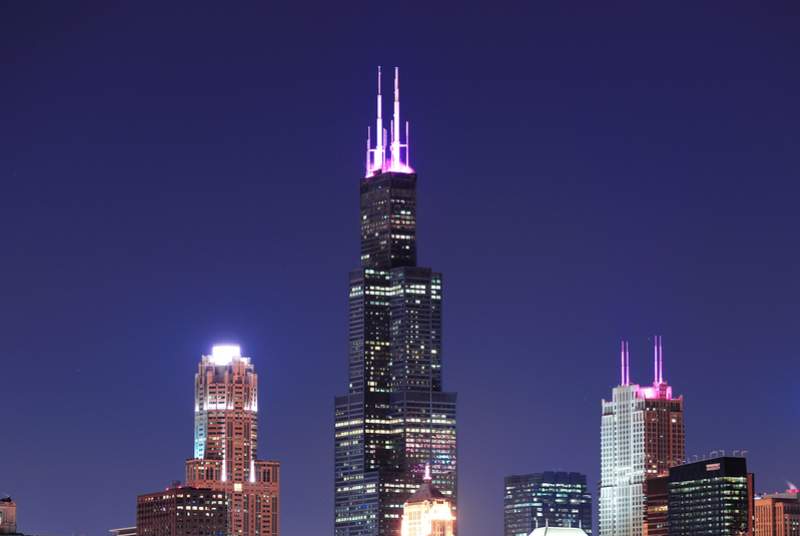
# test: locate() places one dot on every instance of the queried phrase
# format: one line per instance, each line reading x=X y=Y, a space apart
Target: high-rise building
x=711 y=498
x=8 y=516
x=395 y=418
x=778 y=514
x=428 y=512
x=182 y=511
x=226 y=441
x=642 y=436
x=552 y=499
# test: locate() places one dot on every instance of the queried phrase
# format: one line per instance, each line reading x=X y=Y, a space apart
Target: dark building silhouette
x=552 y=498
x=656 y=510
x=395 y=418
x=711 y=498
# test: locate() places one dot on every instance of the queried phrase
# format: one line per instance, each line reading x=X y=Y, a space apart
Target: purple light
x=377 y=160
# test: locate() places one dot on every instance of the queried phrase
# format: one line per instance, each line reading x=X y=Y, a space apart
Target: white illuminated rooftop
x=558 y=531
x=223 y=354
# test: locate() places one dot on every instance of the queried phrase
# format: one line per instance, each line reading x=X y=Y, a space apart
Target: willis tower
x=395 y=419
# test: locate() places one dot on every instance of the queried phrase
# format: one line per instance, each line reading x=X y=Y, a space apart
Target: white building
x=642 y=436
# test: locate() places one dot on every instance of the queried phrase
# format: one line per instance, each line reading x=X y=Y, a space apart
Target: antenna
x=622 y=364
x=655 y=360
x=396 y=119
x=380 y=151
x=660 y=360
x=627 y=364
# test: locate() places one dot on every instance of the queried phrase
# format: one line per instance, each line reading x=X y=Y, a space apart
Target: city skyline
x=173 y=179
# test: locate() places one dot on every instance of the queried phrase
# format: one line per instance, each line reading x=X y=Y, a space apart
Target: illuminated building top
x=393 y=156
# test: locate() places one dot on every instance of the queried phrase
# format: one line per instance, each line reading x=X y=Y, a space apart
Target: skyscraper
x=642 y=436
x=226 y=441
x=711 y=498
x=552 y=498
x=395 y=418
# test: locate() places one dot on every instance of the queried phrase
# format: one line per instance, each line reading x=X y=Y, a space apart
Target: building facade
x=778 y=514
x=656 y=510
x=226 y=441
x=8 y=516
x=552 y=499
x=642 y=436
x=428 y=512
x=711 y=498
x=182 y=511
x=396 y=417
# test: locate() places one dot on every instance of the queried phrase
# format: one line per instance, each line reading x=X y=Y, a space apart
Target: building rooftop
x=558 y=531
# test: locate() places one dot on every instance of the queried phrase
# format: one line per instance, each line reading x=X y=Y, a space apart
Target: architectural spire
x=625 y=361
x=660 y=361
x=427 y=477
x=392 y=154
x=656 y=379
x=622 y=363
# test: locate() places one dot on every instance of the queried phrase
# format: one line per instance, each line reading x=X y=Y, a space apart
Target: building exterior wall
x=642 y=436
x=182 y=511
x=554 y=499
x=8 y=516
x=396 y=418
x=711 y=498
x=777 y=515
x=226 y=440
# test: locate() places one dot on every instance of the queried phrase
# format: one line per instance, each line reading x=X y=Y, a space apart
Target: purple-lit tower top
x=398 y=158
x=660 y=388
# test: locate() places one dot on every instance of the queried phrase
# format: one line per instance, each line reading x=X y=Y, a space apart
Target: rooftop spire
x=397 y=159
x=660 y=361
x=625 y=361
x=656 y=379
x=427 y=477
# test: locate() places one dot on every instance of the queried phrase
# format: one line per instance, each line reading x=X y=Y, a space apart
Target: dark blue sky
x=177 y=174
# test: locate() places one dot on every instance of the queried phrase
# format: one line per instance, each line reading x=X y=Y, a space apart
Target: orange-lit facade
x=778 y=515
x=226 y=441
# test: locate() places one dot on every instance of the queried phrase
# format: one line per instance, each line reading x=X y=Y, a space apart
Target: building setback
x=642 y=436
x=778 y=514
x=552 y=499
x=182 y=511
x=711 y=498
x=395 y=417
x=226 y=441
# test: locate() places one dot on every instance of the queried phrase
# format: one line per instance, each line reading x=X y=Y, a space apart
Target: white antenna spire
x=396 y=118
x=380 y=151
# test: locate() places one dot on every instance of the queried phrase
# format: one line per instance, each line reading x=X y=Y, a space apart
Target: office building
x=642 y=436
x=395 y=417
x=226 y=442
x=778 y=514
x=551 y=498
x=182 y=511
x=711 y=498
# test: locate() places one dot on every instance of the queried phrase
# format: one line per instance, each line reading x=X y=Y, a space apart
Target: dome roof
x=426 y=492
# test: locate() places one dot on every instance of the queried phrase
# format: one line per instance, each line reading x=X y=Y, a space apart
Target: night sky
x=173 y=175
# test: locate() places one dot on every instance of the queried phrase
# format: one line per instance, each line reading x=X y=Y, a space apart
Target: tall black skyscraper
x=395 y=418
